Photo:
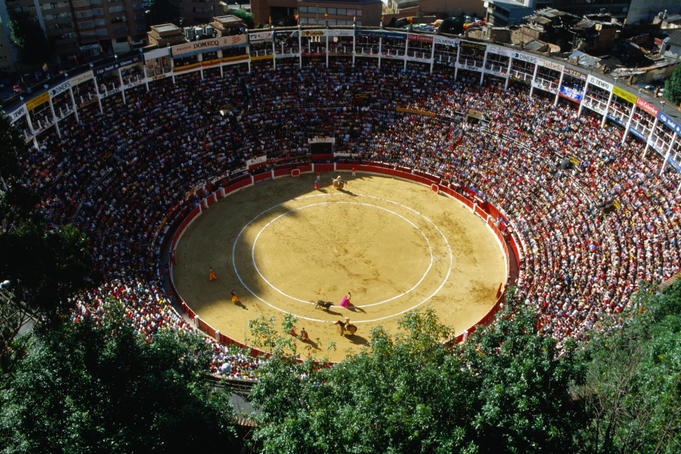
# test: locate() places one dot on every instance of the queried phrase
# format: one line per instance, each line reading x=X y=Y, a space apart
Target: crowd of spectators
x=117 y=174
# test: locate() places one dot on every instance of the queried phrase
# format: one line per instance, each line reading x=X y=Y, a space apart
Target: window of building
x=332 y=11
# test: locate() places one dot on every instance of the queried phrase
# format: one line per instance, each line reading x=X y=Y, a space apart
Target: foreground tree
x=27 y=34
x=42 y=266
x=672 y=86
x=504 y=391
x=163 y=11
x=87 y=388
x=633 y=387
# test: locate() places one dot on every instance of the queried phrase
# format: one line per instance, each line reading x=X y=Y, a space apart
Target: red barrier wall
x=262 y=177
x=323 y=167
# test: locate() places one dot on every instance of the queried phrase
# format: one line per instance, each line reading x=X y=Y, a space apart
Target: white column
x=534 y=76
x=222 y=74
x=30 y=123
x=649 y=138
x=560 y=82
x=581 y=104
x=482 y=70
x=75 y=107
x=248 y=52
x=300 y=47
x=669 y=152
x=607 y=106
x=327 y=47
x=99 y=100
x=200 y=56
x=456 y=63
x=54 y=117
x=146 y=77
x=354 y=37
x=120 y=78
x=432 y=56
x=172 y=69
x=274 y=52
x=626 y=128
x=380 y=50
x=508 y=72
x=406 y=50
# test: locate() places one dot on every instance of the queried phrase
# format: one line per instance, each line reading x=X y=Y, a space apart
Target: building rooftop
x=163 y=29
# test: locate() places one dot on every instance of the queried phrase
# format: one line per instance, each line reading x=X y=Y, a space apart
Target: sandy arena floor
x=281 y=245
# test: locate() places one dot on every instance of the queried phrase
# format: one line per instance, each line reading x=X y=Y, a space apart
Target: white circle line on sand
x=399 y=295
x=236 y=271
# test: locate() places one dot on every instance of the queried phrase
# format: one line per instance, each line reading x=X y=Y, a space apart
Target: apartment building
x=318 y=12
x=108 y=25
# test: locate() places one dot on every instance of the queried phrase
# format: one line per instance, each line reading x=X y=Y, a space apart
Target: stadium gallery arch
x=641 y=117
x=496 y=222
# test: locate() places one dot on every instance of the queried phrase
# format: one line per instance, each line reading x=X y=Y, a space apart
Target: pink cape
x=345 y=302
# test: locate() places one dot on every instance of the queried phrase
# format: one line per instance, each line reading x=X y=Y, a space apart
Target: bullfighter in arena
x=345 y=302
x=211 y=274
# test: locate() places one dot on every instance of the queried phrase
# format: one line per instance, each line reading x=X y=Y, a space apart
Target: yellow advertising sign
x=624 y=94
x=38 y=100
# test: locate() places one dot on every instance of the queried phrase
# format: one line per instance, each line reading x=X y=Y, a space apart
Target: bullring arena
x=285 y=246
x=535 y=162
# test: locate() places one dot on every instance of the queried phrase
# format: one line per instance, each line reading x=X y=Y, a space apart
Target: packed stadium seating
x=589 y=234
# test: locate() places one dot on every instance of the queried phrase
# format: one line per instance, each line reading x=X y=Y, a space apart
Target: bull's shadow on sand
x=357 y=340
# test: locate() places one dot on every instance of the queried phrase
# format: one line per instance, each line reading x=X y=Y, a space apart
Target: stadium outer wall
x=181 y=217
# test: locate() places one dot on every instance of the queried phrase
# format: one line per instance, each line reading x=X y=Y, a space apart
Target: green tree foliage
x=633 y=387
x=244 y=15
x=34 y=47
x=12 y=152
x=87 y=388
x=163 y=11
x=672 y=86
x=411 y=393
x=45 y=267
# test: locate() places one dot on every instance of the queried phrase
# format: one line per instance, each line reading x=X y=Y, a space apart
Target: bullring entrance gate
x=639 y=116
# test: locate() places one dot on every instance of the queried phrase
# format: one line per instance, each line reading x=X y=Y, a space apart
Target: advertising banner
x=260 y=36
x=472 y=45
x=80 y=78
x=421 y=38
x=525 y=57
x=381 y=34
x=208 y=45
x=18 y=113
x=607 y=86
x=550 y=64
x=624 y=94
x=38 y=100
x=571 y=93
x=646 y=106
x=499 y=50
x=105 y=68
x=452 y=42
x=335 y=32
x=310 y=33
x=255 y=161
x=59 y=89
x=671 y=124
x=575 y=74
